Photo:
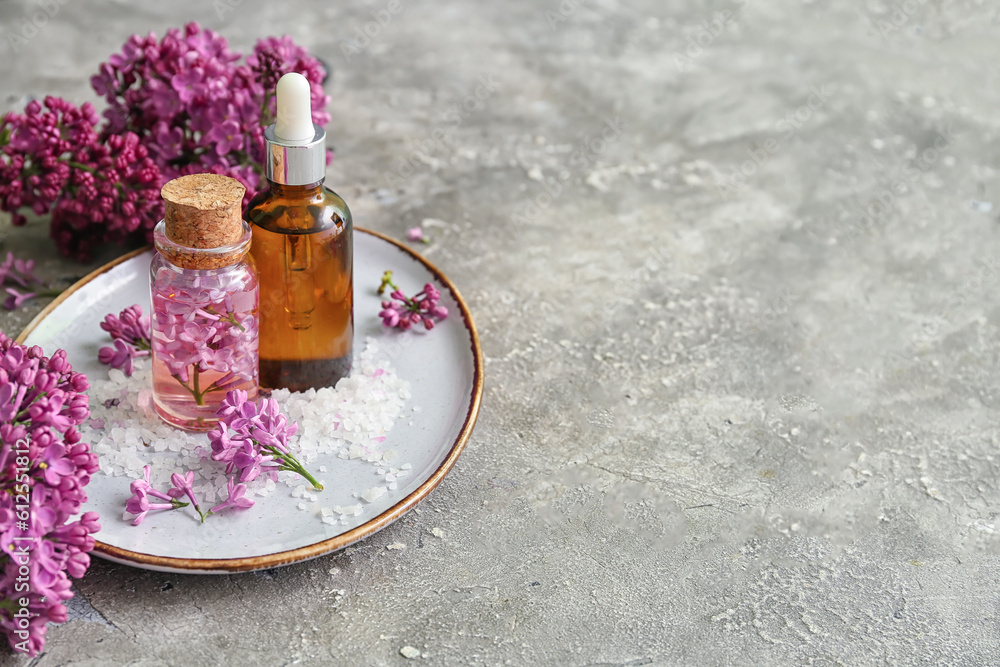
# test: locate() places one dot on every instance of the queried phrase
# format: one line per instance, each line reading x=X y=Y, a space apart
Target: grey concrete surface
x=742 y=357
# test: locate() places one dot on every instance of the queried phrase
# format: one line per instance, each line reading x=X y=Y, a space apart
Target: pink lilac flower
x=416 y=234
x=145 y=485
x=130 y=325
x=139 y=504
x=237 y=498
x=20 y=272
x=130 y=333
x=183 y=486
x=403 y=312
x=121 y=356
x=44 y=468
x=252 y=439
x=15 y=298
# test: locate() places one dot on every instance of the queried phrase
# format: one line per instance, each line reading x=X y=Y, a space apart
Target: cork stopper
x=203 y=212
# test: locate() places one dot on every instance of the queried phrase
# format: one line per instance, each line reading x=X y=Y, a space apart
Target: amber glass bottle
x=302 y=246
x=302 y=243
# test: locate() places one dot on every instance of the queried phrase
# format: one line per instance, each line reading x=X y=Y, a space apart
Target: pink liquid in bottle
x=205 y=333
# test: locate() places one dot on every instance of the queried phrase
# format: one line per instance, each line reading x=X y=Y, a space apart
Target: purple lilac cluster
x=52 y=160
x=251 y=439
x=20 y=272
x=130 y=333
x=203 y=328
x=181 y=105
x=404 y=312
x=44 y=467
x=190 y=100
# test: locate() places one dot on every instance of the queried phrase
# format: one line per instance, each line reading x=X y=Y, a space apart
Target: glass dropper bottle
x=303 y=247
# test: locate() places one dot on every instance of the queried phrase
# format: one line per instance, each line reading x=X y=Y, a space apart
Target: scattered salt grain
x=409 y=652
x=437 y=532
x=350 y=510
x=395 y=546
x=373 y=494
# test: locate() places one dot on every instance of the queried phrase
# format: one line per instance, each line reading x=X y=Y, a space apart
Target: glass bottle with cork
x=303 y=246
x=204 y=292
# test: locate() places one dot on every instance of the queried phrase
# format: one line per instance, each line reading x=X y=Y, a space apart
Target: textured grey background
x=729 y=418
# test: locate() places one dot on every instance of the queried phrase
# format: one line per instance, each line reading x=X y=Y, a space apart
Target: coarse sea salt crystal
x=348 y=421
x=373 y=494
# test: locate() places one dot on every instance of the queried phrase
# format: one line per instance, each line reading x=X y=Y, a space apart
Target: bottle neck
x=295 y=191
x=180 y=256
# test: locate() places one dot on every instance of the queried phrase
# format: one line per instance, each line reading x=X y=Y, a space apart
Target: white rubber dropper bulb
x=294 y=121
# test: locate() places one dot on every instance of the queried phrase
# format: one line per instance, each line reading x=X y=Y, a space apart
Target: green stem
x=265 y=112
x=196 y=393
x=23 y=412
x=95 y=172
x=387 y=281
x=199 y=396
x=291 y=464
x=184 y=384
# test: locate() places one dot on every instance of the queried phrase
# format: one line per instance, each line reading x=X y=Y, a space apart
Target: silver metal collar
x=295 y=164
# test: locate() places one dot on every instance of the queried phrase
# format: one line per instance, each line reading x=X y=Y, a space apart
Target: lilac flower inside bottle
x=205 y=298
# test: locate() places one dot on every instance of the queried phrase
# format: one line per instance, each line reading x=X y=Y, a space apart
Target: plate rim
x=338 y=542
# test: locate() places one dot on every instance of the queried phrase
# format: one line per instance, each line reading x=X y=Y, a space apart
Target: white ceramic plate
x=444 y=368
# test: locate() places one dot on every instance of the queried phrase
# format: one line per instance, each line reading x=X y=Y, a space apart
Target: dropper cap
x=294 y=122
x=296 y=147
